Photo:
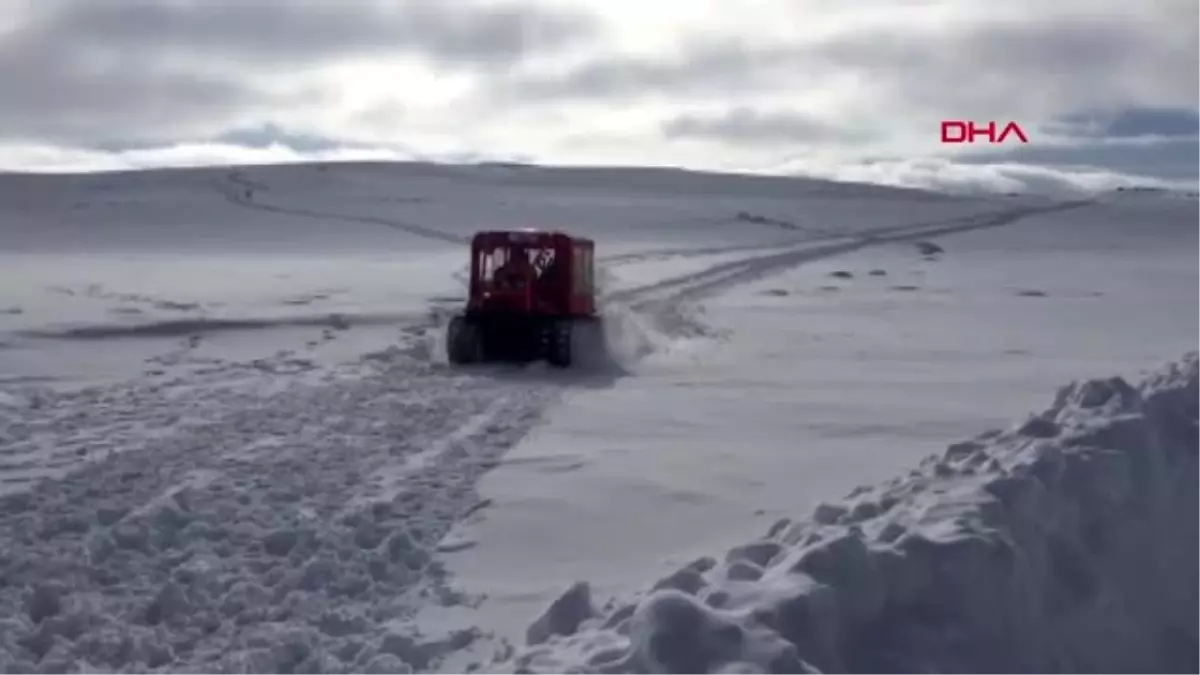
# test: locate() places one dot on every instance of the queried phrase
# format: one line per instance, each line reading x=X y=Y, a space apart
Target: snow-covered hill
x=229 y=440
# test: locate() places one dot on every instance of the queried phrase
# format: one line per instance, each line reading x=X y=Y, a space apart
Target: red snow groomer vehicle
x=531 y=297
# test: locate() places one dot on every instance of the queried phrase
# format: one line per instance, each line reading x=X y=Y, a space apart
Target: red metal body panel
x=538 y=272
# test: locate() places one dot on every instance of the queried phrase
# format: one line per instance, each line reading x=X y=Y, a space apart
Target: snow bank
x=1066 y=543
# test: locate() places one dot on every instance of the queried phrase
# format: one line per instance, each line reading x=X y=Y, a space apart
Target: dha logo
x=959 y=131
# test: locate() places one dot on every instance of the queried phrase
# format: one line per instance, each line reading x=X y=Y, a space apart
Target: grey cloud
x=1169 y=158
x=715 y=68
x=267 y=135
x=1155 y=122
x=751 y=126
x=1129 y=123
x=944 y=174
x=999 y=67
x=983 y=65
x=270 y=135
x=285 y=32
x=117 y=70
x=1161 y=142
x=1138 y=73
x=56 y=93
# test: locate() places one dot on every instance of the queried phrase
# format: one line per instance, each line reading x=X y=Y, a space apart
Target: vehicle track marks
x=665 y=297
x=243 y=186
x=242 y=196
x=268 y=497
x=244 y=514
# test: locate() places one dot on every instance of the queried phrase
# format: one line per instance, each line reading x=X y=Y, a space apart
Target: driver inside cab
x=515 y=271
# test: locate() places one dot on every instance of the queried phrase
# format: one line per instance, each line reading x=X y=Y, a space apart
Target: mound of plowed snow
x=1066 y=543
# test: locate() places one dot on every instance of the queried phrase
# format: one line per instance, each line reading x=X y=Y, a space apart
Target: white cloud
x=52 y=159
x=699 y=84
x=942 y=174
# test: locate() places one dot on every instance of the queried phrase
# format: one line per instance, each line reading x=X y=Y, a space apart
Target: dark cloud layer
x=137 y=74
x=290 y=33
x=58 y=93
x=748 y=125
x=1063 y=60
x=1130 y=123
x=708 y=67
x=1160 y=142
x=1173 y=159
x=135 y=70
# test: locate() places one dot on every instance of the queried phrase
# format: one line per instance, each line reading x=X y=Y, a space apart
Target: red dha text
x=959 y=131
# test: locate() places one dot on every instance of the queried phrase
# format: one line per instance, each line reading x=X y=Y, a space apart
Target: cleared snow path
x=226 y=544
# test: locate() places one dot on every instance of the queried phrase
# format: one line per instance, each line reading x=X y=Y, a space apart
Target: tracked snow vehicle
x=531 y=297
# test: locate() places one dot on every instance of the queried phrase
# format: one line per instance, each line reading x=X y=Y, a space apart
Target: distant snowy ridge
x=1067 y=543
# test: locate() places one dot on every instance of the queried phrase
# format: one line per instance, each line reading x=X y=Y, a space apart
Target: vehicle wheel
x=462 y=341
x=589 y=350
x=559 y=345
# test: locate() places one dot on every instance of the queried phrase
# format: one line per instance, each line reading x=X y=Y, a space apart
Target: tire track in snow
x=228 y=545
x=389 y=481
x=239 y=197
x=286 y=532
x=662 y=301
x=803 y=236
x=699 y=252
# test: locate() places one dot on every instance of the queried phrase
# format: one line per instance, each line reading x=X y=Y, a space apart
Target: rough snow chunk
x=673 y=634
x=414 y=654
x=1039 y=427
x=687 y=580
x=280 y=543
x=132 y=536
x=318 y=573
x=829 y=514
x=386 y=664
x=778 y=528
x=564 y=616
x=845 y=564
x=340 y=623
x=1112 y=393
x=170 y=602
x=402 y=548
x=45 y=601
x=759 y=553
x=743 y=570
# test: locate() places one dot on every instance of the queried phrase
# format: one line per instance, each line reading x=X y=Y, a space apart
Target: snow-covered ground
x=808 y=384
x=229 y=440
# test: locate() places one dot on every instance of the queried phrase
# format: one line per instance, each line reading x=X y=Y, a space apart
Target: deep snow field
x=229 y=440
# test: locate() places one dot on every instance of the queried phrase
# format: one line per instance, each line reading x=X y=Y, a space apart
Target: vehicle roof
x=530 y=231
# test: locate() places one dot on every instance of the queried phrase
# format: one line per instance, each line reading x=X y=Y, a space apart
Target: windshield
x=521 y=259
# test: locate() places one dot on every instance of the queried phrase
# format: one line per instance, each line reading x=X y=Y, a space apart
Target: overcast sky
x=1105 y=90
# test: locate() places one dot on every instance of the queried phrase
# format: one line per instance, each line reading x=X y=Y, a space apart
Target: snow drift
x=1066 y=543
